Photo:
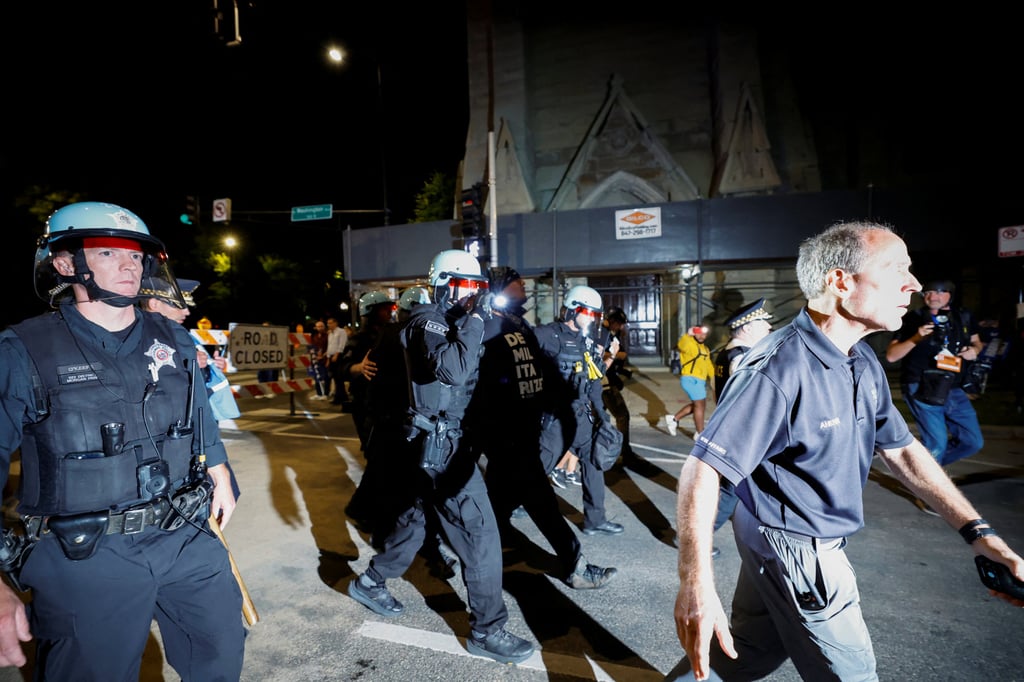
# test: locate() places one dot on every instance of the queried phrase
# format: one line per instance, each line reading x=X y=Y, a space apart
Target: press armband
x=971 y=532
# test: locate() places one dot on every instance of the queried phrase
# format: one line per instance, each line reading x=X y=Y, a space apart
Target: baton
x=248 y=608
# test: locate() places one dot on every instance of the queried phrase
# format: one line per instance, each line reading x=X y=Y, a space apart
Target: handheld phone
x=997 y=576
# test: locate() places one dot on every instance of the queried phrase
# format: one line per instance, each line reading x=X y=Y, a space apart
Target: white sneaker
x=696 y=435
x=670 y=422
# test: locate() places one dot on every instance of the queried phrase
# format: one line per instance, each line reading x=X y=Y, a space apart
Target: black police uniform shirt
x=443 y=355
x=797 y=429
x=922 y=356
x=88 y=376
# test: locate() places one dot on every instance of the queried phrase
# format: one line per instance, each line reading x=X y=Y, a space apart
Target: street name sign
x=318 y=212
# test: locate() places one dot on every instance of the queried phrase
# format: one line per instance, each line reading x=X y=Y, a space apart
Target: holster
x=79 y=534
x=188 y=504
x=14 y=550
x=439 y=440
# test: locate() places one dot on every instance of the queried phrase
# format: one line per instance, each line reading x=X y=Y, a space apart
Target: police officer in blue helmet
x=121 y=467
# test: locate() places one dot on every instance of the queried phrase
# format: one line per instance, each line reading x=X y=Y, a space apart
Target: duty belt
x=127 y=522
x=136 y=520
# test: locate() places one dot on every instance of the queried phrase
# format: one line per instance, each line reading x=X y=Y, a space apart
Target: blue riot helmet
x=94 y=224
x=412 y=297
x=371 y=300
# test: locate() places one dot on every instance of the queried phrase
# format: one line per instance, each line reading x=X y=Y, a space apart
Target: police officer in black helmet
x=443 y=345
x=122 y=464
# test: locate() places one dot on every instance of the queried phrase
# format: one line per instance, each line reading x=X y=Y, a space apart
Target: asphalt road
x=298 y=462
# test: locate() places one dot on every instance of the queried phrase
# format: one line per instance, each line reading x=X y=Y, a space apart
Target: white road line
x=675 y=456
x=583 y=667
x=282 y=432
x=352 y=466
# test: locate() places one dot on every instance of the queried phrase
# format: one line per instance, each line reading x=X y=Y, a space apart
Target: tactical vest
x=430 y=396
x=63 y=467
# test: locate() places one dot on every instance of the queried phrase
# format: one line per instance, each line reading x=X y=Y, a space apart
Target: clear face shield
x=161 y=284
x=465 y=291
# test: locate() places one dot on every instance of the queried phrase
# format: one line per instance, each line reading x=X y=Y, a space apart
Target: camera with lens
x=941 y=326
x=154 y=479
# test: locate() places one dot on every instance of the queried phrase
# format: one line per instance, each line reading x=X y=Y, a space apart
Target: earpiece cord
x=74 y=339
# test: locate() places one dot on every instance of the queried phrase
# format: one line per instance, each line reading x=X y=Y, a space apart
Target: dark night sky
x=140 y=105
x=136 y=103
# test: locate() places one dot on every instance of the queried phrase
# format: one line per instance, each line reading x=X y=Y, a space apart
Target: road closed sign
x=254 y=346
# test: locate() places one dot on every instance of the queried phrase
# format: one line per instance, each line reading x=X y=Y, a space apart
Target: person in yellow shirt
x=697 y=369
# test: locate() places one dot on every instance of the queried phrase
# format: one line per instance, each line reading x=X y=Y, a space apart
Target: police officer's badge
x=162 y=355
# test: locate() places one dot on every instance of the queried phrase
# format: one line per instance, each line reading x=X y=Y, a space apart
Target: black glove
x=485 y=305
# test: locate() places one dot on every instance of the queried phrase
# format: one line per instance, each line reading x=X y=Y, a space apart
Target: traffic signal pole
x=492 y=232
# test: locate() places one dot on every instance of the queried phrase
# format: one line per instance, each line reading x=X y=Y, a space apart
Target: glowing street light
x=338 y=56
x=335 y=54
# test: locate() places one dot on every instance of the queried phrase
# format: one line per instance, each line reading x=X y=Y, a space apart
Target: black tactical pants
x=516 y=476
x=579 y=437
x=469 y=525
x=91 y=618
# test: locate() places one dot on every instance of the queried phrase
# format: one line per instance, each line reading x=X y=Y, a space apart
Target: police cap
x=754 y=311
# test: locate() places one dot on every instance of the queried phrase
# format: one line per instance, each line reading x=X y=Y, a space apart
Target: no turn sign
x=221 y=210
x=1011 y=241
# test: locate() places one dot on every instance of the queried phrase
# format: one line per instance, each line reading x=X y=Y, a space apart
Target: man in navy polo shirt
x=795 y=433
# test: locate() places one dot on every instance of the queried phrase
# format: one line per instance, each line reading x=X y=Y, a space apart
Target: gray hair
x=840 y=246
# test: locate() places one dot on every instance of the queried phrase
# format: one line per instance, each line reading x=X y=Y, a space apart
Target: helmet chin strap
x=93 y=289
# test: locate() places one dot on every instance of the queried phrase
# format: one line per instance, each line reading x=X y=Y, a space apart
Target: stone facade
x=590 y=112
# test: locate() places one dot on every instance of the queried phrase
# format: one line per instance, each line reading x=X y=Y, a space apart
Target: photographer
x=936 y=344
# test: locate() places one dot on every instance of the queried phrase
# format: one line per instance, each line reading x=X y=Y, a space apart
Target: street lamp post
x=337 y=56
x=230 y=243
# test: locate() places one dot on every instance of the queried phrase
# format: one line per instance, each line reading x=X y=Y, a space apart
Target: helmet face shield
x=162 y=285
x=464 y=287
x=587 y=319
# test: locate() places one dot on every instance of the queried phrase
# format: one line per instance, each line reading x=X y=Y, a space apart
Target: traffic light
x=191 y=214
x=473 y=212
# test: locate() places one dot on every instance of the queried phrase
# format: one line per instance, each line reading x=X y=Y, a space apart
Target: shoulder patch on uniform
x=435 y=328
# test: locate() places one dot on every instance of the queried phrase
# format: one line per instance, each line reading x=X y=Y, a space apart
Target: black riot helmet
x=616 y=314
